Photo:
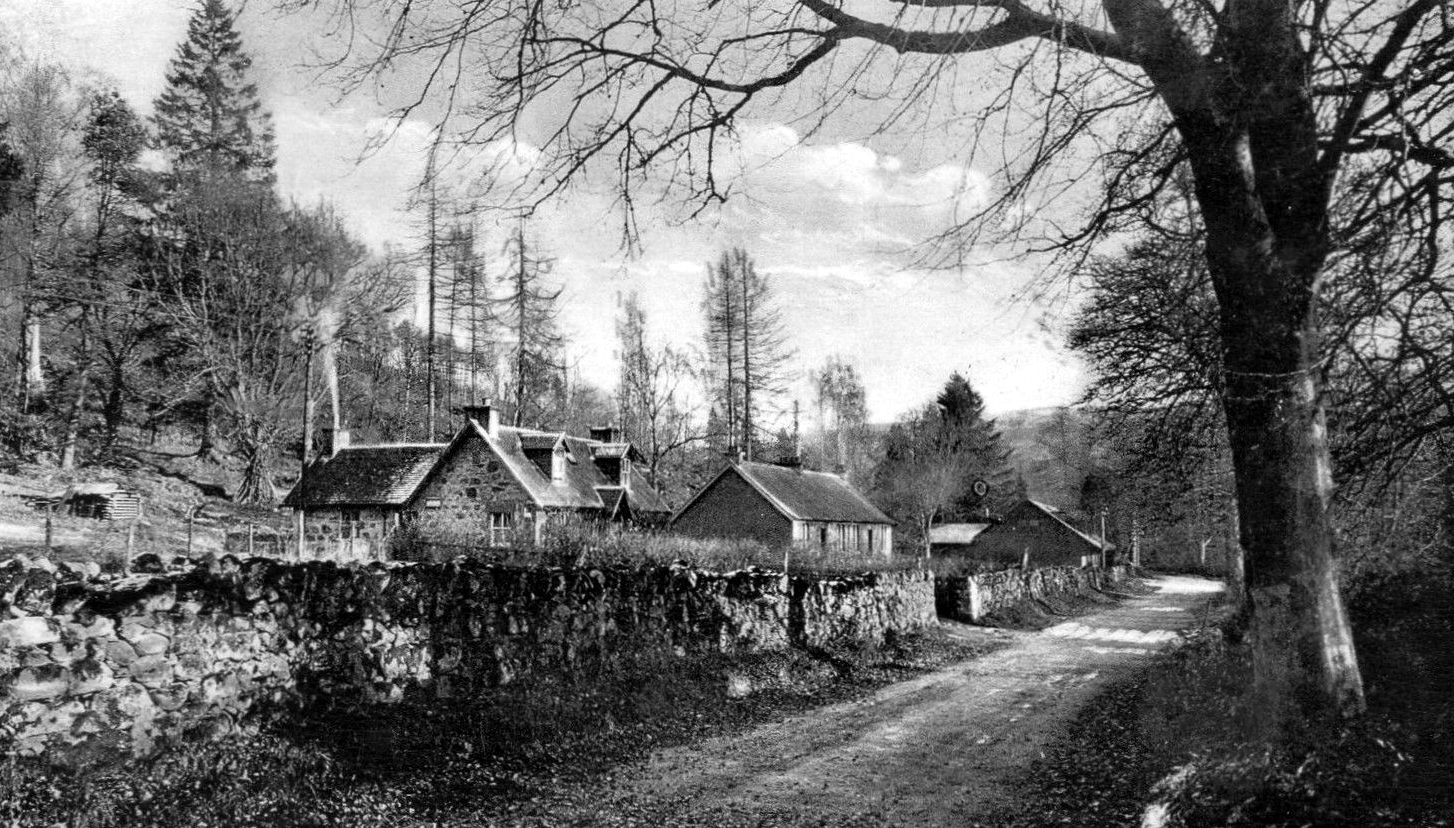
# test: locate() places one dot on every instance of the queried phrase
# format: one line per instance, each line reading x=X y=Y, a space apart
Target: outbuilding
x=781 y=505
x=1031 y=532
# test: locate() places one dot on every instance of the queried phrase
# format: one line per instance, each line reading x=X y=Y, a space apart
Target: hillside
x=1050 y=451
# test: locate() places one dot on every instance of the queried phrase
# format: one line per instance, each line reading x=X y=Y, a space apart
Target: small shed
x=786 y=505
x=954 y=538
x=103 y=501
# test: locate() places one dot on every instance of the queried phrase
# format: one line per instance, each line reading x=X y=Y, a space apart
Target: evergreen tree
x=110 y=317
x=976 y=444
x=933 y=455
x=209 y=120
x=218 y=142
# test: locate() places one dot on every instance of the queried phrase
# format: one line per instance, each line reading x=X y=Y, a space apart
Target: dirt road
x=937 y=750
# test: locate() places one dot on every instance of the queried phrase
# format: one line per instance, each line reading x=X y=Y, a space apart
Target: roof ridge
x=365 y=446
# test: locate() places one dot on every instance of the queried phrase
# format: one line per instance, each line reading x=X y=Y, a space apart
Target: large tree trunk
x=1258 y=188
x=256 y=486
x=115 y=409
x=1301 y=638
x=1300 y=630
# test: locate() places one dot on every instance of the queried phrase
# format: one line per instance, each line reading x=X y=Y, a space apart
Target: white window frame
x=502 y=524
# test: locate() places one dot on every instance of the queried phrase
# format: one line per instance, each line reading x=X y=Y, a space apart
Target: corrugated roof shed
x=385 y=475
x=811 y=495
x=956 y=533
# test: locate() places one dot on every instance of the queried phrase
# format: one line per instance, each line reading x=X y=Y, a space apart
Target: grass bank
x=1187 y=739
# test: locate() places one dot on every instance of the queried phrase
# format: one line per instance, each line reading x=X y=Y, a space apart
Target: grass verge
x=1185 y=744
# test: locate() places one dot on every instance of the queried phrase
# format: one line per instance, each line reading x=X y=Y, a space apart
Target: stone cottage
x=781 y=505
x=1034 y=531
x=497 y=483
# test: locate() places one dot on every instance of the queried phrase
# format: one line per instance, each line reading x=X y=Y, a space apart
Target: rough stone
x=150 y=643
x=251 y=637
x=28 y=632
x=151 y=671
x=120 y=652
x=90 y=676
x=44 y=682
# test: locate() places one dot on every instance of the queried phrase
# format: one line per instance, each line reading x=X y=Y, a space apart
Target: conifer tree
x=527 y=309
x=746 y=346
x=933 y=455
x=218 y=143
x=209 y=120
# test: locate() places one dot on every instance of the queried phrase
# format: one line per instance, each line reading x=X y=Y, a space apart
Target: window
x=500 y=525
x=472 y=493
x=823 y=535
x=871 y=547
x=350 y=516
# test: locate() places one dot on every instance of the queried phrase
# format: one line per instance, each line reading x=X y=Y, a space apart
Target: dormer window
x=557 y=466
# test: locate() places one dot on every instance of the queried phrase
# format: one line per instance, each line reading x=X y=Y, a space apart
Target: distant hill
x=1050 y=451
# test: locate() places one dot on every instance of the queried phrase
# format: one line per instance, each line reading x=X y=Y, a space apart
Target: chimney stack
x=485 y=414
x=606 y=434
x=336 y=441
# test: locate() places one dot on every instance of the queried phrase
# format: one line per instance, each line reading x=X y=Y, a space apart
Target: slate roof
x=383 y=475
x=391 y=475
x=1059 y=517
x=807 y=495
x=579 y=488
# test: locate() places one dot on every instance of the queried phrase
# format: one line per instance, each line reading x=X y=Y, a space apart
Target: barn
x=782 y=505
x=1030 y=531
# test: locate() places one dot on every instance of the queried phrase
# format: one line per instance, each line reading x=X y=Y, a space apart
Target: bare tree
x=527 y=309
x=650 y=394
x=842 y=406
x=43 y=116
x=746 y=346
x=1270 y=104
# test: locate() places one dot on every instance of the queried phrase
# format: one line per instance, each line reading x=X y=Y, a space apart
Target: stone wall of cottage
x=974 y=597
x=471 y=486
x=126 y=665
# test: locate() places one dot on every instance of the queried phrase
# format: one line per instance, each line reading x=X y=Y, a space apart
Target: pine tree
x=209 y=120
x=110 y=317
x=968 y=435
x=932 y=457
x=218 y=143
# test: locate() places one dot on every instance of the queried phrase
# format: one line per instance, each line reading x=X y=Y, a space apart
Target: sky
x=827 y=219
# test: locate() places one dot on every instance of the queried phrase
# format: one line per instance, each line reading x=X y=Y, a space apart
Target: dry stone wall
x=974 y=597
x=89 y=665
